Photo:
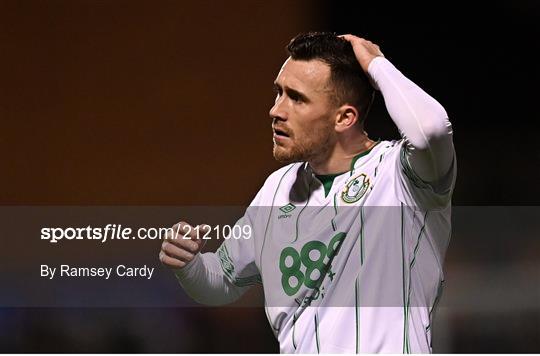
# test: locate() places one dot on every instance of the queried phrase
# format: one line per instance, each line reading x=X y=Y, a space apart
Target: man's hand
x=364 y=50
x=182 y=245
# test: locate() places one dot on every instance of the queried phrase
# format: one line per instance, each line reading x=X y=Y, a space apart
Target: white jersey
x=351 y=263
x=355 y=268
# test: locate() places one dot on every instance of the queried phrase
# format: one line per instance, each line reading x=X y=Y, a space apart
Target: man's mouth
x=279 y=133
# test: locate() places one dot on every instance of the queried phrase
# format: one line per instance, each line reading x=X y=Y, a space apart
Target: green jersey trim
x=411 y=265
x=301 y=211
x=270 y=215
x=433 y=308
x=362 y=235
x=377 y=167
x=405 y=329
x=409 y=171
x=334 y=227
x=227 y=266
x=317 y=332
x=356 y=311
x=294 y=327
x=327 y=180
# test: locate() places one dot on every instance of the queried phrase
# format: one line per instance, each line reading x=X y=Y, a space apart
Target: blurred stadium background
x=151 y=102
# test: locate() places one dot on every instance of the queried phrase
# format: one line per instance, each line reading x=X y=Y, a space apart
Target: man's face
x=303 y=113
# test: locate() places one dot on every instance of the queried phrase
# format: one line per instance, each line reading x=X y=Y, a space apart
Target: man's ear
x=346 y=117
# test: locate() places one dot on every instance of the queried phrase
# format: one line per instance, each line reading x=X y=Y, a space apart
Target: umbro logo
x=286 y=209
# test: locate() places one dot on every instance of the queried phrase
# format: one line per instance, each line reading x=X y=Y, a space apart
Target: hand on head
x=364 y=50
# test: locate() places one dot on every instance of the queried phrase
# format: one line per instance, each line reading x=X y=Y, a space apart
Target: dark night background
x=138 y=102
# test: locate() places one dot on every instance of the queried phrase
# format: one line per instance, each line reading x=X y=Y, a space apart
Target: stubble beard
x=313 y=148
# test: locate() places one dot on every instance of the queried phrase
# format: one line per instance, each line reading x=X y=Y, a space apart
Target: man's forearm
x=204 y=281
x=422 y=121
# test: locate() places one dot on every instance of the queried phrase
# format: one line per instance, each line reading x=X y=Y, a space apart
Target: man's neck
x=340 y=158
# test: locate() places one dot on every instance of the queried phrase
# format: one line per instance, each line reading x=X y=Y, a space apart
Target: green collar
x=327 y=180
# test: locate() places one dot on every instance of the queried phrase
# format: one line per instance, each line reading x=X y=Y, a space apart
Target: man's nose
x=277 y=111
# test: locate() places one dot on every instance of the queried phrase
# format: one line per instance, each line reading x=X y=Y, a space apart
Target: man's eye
x=295 y=97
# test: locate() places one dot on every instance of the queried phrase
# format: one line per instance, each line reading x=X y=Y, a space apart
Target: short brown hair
x=350 y=82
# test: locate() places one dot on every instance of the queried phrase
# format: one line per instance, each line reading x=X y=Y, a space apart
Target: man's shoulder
x=267 y=192
x=383 y=150
x=390 y=149
x=391 y=145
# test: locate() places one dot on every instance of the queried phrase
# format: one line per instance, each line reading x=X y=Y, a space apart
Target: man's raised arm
x=421 y=120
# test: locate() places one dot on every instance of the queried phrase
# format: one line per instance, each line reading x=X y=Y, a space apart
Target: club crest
x=355 y=189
